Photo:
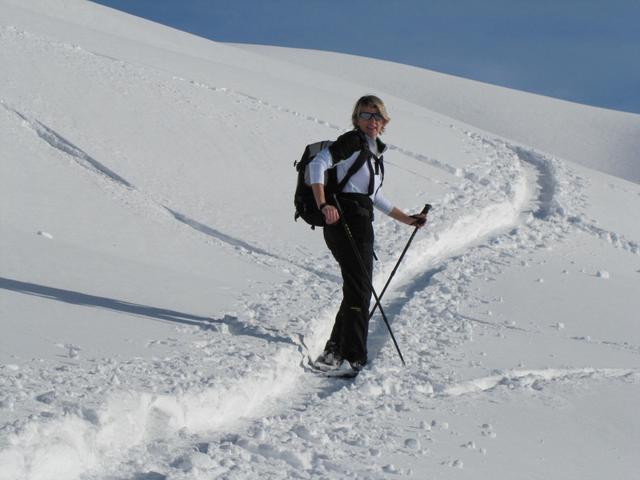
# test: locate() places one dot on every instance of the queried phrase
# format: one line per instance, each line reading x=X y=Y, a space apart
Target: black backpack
x=304 y=200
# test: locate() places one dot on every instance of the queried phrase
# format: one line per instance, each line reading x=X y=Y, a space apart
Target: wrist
x=322 y=205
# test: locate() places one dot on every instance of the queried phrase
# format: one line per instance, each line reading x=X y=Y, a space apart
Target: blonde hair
x=370 y=101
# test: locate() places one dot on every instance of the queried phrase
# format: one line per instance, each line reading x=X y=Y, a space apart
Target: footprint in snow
x=412 y=444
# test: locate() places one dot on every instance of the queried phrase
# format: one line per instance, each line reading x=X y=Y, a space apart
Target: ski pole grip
x=426 y=208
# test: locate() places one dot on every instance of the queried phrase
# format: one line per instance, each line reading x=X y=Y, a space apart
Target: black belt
x=358 y=204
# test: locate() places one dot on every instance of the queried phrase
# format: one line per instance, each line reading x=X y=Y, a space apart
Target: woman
x=353 y=166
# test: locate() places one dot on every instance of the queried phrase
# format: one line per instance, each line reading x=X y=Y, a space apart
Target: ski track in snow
x=160 y=415
x=502 y=217
x=60 y=143
x=448 y=272
x=528 y=379
x=84 y=160
x=524 y=231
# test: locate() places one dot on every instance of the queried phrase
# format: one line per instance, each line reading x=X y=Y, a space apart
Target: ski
x=338 y=372
x=343 y=374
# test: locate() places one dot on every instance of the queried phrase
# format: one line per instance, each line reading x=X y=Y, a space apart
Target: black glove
x=419 y=220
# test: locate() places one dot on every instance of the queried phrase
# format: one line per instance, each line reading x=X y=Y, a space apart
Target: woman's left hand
x=419 y=220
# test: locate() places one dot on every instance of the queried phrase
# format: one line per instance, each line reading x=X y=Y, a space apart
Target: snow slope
x=158 y=304
x=606 y=140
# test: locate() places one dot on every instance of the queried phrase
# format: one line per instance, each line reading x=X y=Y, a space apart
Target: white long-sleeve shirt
x=359 y=181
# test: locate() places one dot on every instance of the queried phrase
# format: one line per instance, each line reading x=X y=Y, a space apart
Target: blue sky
x=586 y=51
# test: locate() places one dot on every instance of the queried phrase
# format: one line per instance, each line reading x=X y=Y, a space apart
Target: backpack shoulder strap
x=356 y=141
x=365 y=154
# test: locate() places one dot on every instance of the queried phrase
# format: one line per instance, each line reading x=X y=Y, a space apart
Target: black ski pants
x=349 y=334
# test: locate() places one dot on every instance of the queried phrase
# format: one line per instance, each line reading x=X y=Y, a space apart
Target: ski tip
x=342 y=375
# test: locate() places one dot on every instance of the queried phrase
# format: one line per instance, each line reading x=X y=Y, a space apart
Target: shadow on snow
x=233 y=324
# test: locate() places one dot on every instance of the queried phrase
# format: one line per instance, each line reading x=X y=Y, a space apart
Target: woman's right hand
x=331 y=214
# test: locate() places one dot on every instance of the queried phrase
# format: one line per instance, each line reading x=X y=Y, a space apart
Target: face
x=373 y=125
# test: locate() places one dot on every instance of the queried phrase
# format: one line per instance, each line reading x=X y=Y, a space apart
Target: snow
x=605 y=140
x=158 y=304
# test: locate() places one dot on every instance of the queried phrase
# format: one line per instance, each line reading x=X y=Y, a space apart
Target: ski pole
x=424 y=211
x=354 y=247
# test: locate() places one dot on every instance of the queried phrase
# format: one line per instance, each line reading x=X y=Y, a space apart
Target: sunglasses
x=370 y=115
